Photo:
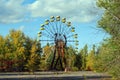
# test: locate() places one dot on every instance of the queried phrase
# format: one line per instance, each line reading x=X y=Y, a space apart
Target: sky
x=27 y=15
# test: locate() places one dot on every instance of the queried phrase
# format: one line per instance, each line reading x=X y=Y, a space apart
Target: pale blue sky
x=27 y=15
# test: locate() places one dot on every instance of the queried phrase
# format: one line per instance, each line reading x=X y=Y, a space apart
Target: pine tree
x=34 y=59
x=91 y=59
x=46 y=57
x=84 y=53
x=109 y=56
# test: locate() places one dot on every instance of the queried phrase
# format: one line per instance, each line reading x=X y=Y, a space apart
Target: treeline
x=108 y=59
x=19 y=52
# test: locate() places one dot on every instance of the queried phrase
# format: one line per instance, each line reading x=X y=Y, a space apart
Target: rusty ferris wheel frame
x=58 y=31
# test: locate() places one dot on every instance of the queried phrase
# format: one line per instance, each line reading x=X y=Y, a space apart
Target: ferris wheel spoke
x=56 y=26
x=47 y=35
x=70 y=36
x=64 y=27
x=60 y=27
x=52 y=25
x=48 y=32
x=71 y=40
x=51 y=28
x=68 y=30
x=47 y=40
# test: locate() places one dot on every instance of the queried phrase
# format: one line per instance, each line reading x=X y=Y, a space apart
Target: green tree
x=71 y=58
x=34 y=58
x=46 y=57
x=17 y=40
x=109 y=56
x=84 y=53
x=17 y=50
x=2 y=53
x=2 y=44
x=91 y=59
x=13 y=50
x=78 y=60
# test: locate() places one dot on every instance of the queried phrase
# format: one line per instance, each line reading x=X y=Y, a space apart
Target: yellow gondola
x=52 y=17
x=42 y=25
x=72 y=30
x=39 y=32
x=39 y=35
x=76 y=41
x=68 y=24
x=76 y=44
x=75 y=35
x=73 y=27
x=46 y=22
x=42 y=28
x=63 y=20
x=76 y=48
x=58 y=18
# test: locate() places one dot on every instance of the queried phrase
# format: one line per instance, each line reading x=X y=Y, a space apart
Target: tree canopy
x=109 y=52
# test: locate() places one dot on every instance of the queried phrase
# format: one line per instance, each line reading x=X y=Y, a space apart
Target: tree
x=71 y=58
x=111 y=18
x=109 y=56
x=17 y=40
x=34 y=58
x=91 y=59
x=46 y=57
x=84 y=53
x=17 y=51
x=2 y=53
x=2 y=44
x=78 y=60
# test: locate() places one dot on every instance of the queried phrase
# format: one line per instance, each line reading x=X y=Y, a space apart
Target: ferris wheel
x=59 y=32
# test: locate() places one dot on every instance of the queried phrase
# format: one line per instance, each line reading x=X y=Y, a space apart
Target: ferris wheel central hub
x=60 y=37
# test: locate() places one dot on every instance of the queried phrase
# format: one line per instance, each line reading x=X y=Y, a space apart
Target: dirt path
x=81 y=75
